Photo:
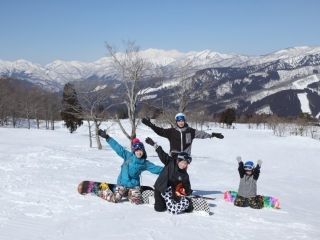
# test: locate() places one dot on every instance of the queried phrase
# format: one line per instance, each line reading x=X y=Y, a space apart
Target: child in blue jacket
x=128 y=183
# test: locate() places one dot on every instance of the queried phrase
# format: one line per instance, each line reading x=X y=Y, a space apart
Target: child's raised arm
x=120 y=150
x=164 y=157
x=240 y=167
x=256 y=171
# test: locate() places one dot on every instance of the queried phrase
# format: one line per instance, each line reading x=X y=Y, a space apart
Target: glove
x=150 y=141
x=260 y=162
x=103 y=134
x=217 y=135
x=146 y=121
x=239 y=159
x=180 y=190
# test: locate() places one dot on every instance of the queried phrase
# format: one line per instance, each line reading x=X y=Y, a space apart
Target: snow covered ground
x=40 y=171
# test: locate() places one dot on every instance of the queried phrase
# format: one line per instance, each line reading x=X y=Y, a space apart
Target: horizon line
x=165 y=50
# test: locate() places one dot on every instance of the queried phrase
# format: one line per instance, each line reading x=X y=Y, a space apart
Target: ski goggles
x=137 y=146
x=185 y=157
x=180 y=118
x=248 y=166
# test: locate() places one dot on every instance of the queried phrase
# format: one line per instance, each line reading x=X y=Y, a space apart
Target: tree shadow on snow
x=205 y=192
x=212 y=205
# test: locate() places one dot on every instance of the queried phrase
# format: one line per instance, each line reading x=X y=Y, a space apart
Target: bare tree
x=53 y=109
x=4 y=103
x=13 y=109
x=92 y=106
x=25 y=104
x=38 y=106
x=198 y=118
x=185 y=91
x=131 y=70
x=181 y=73
x=278 y=125
x=314 y=131
x=94 y=111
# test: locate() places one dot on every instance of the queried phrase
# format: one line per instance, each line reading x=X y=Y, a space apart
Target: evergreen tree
x=228 y=116
x=71 y=109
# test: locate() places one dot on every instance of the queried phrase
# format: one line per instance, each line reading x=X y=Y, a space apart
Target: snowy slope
x=40 y=170
x=305 y=106
x=304 y=82
x=288 y=83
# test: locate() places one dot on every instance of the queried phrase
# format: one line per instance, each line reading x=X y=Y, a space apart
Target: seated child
x=173 y=184
x=128 y=183
x=247 y=192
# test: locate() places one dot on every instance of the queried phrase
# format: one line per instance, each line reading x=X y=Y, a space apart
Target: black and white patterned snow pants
x=173 y=206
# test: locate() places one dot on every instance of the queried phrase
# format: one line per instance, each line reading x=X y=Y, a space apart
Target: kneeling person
x=173 y=184
x=247 y=192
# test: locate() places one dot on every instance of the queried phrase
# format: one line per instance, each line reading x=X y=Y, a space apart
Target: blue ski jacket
x=132 y=167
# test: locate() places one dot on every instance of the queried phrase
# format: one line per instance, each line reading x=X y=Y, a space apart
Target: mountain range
x=284 y=82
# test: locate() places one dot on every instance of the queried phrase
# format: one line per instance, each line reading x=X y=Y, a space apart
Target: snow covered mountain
x=249 y=83
x=285 y=82
x=59 y=72
x=63 y=71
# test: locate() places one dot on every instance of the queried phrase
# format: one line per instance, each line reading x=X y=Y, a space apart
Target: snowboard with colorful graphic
x=199 y=203
x=100 y=189
x=268 y=201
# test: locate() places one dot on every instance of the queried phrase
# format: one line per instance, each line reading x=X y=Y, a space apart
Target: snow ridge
x=61 y=72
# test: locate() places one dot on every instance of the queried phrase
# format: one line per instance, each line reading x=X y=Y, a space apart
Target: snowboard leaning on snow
x=268 y=201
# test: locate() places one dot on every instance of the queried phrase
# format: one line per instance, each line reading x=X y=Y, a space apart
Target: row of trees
x=303 y=125
x=21 y=100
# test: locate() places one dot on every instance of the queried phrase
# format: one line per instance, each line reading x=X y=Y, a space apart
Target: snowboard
x=268 y=201
x=100 y=188
x=199 y=204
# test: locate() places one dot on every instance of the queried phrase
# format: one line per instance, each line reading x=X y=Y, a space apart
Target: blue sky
x=43 y=30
